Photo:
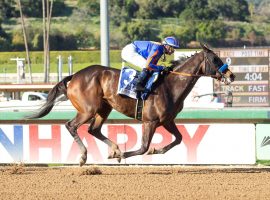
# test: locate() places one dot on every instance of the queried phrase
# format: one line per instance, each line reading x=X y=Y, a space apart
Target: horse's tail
x=57 y=93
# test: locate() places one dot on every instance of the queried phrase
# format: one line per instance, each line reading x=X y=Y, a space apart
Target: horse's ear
x=205 y=47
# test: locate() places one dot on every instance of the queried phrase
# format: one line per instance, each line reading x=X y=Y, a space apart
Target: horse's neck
x=180 y=85
x=192 y=65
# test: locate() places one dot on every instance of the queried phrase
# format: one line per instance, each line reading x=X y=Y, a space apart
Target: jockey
x=146 y=54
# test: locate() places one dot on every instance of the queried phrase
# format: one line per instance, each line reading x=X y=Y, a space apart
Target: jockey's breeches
x=130 y=55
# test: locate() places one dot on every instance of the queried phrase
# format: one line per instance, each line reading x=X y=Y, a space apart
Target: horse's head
x=215 y=67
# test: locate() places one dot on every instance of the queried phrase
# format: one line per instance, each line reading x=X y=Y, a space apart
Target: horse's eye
x=215 y=60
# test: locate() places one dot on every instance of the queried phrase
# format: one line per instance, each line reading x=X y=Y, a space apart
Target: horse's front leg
x=147 y=135
x=171 y=127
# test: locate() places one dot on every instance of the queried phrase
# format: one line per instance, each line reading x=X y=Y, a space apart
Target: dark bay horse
x=93 y=92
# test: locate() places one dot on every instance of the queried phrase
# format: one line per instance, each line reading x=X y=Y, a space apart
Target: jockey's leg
x=142 y=79
x=130 y=55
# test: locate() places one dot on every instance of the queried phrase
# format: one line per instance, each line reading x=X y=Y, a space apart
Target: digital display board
x=251 y=67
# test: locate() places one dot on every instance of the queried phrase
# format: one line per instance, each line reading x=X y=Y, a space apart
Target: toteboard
x=251 y=67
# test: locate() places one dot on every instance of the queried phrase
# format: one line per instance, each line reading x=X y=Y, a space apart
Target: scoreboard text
x=251 y=67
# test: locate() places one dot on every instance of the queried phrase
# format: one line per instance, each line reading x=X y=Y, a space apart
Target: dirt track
x=134 y=182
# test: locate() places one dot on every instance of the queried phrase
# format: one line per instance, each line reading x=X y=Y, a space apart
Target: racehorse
x=93 y=92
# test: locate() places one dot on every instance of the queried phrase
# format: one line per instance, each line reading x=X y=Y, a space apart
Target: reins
x=192 y=75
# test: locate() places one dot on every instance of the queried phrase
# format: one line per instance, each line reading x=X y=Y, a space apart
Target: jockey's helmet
x=171 y=41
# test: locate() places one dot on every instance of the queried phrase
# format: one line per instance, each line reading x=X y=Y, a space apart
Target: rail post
x=20 y=69
x=70 y=65
x=60 y=67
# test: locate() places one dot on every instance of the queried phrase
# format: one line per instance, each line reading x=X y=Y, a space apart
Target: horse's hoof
x=83 y=160
x=112 y=155
x=115 y=154
x=119 y=160
x=151 y=151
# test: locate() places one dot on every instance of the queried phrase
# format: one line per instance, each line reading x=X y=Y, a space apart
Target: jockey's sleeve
x=153 y=59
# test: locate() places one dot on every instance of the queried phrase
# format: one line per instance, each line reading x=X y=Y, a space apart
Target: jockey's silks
x=151 y=51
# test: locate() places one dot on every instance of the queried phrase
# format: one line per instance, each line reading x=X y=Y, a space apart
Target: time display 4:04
x=253 y=76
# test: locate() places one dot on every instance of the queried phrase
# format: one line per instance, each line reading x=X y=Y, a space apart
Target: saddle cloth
x=127 y=81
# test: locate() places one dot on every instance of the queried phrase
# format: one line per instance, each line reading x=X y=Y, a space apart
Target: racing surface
x=135 y=182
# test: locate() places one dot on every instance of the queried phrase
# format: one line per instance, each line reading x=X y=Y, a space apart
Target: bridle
x=220 y=70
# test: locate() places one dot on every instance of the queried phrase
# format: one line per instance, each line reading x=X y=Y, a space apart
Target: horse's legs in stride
x=171 y=127
x=95 y=130
x=148 y=132
x=72 y=127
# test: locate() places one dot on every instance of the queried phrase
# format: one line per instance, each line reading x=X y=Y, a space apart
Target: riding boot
x=142 y=78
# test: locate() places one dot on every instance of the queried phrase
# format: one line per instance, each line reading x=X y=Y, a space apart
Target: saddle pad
x=127 y=81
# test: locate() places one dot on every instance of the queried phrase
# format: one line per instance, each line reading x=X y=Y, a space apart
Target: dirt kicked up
x=135 y=182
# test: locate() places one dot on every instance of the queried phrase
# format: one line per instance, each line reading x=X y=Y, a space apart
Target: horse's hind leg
x=171 y=127
x=148 y=132
x=95 y=130
x=72 y=127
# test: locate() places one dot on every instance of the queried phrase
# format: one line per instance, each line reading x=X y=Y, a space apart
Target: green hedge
x=78 y=56
x=81 y=59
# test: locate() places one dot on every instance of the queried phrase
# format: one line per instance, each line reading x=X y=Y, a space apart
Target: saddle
x=128 y=79
x=126 y=86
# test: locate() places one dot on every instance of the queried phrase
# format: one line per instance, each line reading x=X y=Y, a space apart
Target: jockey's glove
x=167 y=70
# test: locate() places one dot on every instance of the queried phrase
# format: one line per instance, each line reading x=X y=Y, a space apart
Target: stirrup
x=139 y=89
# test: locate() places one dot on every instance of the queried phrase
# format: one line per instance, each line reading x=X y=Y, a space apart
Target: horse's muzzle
x=228 y=78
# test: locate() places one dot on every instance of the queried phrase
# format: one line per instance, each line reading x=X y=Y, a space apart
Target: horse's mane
x=180 y=61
